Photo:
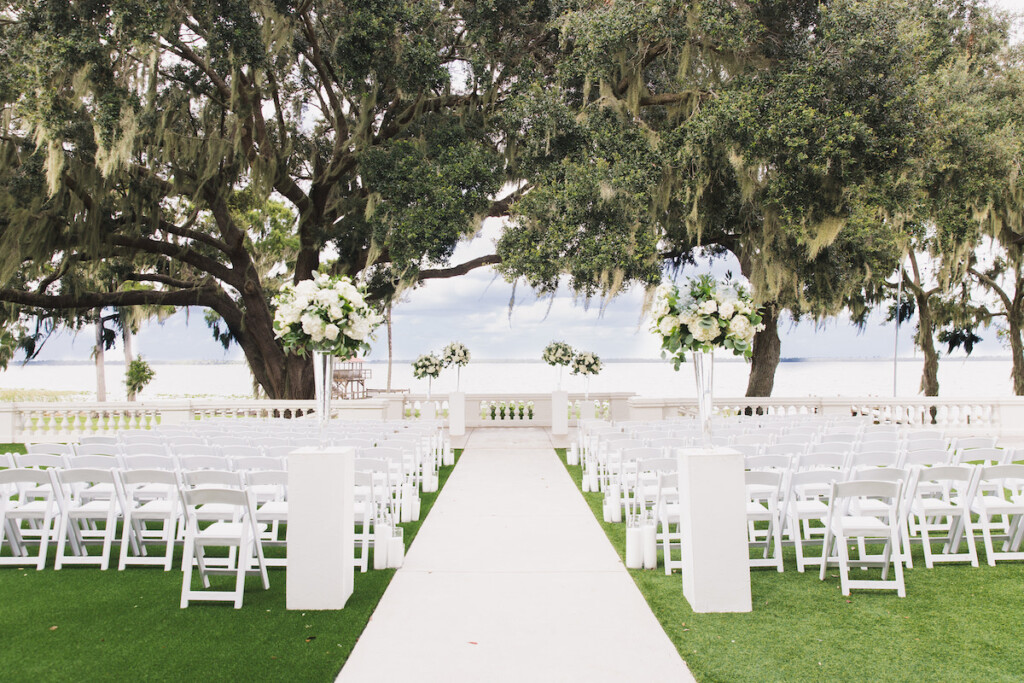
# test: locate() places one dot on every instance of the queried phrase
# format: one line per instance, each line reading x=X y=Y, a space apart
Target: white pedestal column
x=428 y=411
x=560 y=412
x=457 y=413
x=716 y=570
x=321 y=534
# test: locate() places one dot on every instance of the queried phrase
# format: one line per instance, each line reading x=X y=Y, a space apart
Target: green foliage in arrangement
x=95 y=625
x=804 y=629
x=137 y=376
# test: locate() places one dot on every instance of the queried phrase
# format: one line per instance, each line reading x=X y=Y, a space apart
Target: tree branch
x=461 y=269
x=161 y=279
x=196 y=235
x=200 y=296
x=180 y=253
x=992 y=285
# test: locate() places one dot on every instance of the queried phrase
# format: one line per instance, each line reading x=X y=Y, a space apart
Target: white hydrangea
x=708 y=307
x=668 y=325
x=726 y=309
x=740 y=327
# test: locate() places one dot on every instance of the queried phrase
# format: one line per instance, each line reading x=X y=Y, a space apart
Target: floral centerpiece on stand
x=427 y=366
x=328 y=316
x=703 y=315
x=558 y=354
x=458 y=355
x=586 y=363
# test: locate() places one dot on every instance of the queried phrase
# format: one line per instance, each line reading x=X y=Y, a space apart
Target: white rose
x=358 y=329
x=326 y=297
x=726 y=309
x=331 y=331
x=668 y=325
x=740 y=327
x=708 y=307
x=312 y=326
x=306 y=290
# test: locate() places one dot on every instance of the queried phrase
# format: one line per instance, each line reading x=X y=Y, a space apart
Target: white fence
x=58 y=421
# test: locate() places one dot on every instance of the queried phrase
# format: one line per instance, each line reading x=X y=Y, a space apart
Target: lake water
x=957 y=377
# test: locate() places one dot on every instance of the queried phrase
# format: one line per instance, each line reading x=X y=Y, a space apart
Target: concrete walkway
x=512 y=579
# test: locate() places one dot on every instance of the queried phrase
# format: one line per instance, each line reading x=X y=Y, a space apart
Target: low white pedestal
x=457 y=413
x=588 y=410
x=560 y=412
x=428 y=411
x=712 y=496
x=321 y=534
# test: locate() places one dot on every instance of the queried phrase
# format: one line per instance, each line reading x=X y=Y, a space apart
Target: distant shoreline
x=513 y=361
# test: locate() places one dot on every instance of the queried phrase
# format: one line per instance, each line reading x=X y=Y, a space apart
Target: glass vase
x=704 y=373
x=323 y=377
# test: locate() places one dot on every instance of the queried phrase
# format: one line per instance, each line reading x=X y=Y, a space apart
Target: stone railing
x=58 y=421
x=485 y=410
x=1002 y=417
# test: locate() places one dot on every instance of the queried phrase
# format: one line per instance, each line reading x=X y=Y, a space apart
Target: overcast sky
x=474 y=309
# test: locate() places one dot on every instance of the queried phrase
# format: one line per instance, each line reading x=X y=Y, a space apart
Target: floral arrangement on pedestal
x=558 y=354
x=327 y=313
x=458 y=355
x=427 y=366
x=586 y=363
x=704 y=315
x=328 y=316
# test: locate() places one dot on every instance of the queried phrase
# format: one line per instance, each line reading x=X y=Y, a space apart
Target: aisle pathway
x=512 y=579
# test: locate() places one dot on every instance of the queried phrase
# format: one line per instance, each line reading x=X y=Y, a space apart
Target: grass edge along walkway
x=83 y=624
x=957 y=623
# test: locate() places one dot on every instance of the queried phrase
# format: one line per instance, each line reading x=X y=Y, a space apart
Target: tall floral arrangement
x=703 y=315
x=427 y=366
x=455 y=354
x=325 y=313
x=558 y=354
x=586 y=363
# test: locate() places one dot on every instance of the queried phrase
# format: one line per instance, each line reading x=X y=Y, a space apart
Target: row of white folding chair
x=150 y=461
x=76 y=499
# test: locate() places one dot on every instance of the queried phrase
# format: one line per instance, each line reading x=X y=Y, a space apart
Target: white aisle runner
x=512 y=579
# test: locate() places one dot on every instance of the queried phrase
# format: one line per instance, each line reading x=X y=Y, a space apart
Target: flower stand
x=712 y=498
x=560 y=413
x=321 y=528
x=457 y=413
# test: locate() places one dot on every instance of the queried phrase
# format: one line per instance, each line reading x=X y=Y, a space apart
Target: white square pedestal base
x=457 y=413
x=712 y=496
x=321 y=533
x=560 y=412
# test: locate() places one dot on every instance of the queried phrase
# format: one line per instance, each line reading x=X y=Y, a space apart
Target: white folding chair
x=152 y=515
x=240 y=532
x=763 y=488
x=844 y=523
x=999 y=492
x=668 y=513
x=269 y=490
x=80 y=517
x=38 y=512
x=942 y=503
x=807 y=502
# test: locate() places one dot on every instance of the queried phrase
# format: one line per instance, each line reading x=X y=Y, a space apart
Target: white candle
x=634 y=547
x=650 y=539
x=586 y=480
x=381 y=540
x=606 y=509
x=407 y=499
x=396 y=549
x=574 y=454
x=415 y=508
x=615 y=503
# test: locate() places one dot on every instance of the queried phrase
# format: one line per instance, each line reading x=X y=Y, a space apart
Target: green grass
x=83 y=624
x=957 y=623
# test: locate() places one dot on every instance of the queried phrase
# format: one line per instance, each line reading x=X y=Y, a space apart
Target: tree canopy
x=205 y=151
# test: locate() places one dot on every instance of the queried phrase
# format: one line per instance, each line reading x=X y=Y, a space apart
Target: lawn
x=957 y=623
x=83 y=624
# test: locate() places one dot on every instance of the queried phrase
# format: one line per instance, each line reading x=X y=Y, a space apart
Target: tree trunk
x=926 y=342
x=767 y=352
x=387 y=318
x=101 y=377
x=1017 y=353
x=126 y=335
